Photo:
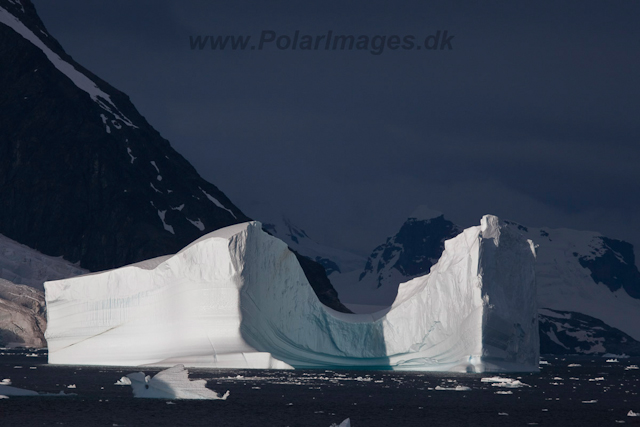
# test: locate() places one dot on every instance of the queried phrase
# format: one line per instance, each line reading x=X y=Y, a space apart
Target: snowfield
x=238 y=298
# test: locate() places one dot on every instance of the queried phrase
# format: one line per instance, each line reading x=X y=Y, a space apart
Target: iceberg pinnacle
x=238 y=298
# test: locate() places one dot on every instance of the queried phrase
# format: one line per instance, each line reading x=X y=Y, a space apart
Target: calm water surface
x=597 y=393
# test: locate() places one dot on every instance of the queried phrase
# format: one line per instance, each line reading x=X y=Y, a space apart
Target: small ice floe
x=630 y=367
x=504 y=414
x=456 y=388
x=633 y=414
x=544 y=362
x=612 y=361
x=590 y=401
x=172 y=383
x=574 y=365
x=503 y=392
x=596 y=379
x=2 y=396
x=615 y=356
x=123 y=381
x=7 y=390
x=71 y=386
x=5 y=381
x=31 y=355
x=504 y=382
x=345 y=423
x=558 y=379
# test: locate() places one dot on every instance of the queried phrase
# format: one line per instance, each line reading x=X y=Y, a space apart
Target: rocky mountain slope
x=83 y=175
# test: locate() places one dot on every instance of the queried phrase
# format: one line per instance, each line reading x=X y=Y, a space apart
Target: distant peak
x=423 y=213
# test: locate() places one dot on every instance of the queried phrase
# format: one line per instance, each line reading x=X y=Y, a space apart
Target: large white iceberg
x=238 y=298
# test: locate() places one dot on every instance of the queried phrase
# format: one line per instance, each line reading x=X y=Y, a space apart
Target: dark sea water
x=596 y=393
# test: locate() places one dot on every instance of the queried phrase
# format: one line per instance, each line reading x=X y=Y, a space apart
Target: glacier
x=238 y=298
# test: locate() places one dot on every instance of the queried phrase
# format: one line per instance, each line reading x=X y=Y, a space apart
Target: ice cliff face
x=238 y=298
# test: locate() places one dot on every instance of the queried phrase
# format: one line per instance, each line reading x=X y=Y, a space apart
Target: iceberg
x=172 y=383
x=238 y=298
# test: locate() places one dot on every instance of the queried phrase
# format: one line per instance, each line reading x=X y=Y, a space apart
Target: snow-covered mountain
x=22 y=265
x=410 y=253
x=333 y=260
x=83 y=175
x=588 y=284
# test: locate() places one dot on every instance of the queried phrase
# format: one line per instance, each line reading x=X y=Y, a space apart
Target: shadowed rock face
x=22 y=315
x=615 y=266
x=82 y=173
x=412 y=251
x=85 y=178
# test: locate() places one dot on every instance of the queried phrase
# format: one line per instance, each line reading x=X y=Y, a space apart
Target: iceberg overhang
x=238 y=298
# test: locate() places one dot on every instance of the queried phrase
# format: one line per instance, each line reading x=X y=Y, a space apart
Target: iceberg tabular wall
x=238 y=298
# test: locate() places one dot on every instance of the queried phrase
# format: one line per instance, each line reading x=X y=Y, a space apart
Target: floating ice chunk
x=123 y=381
x=7 y=390
x=503 y=414
x=544 y=362
x=345 y=423
x=573 y=365
x=2 y=396
x=456 y=388
x=616 y=356
x=633 y=414
x=503 y=392
x=597 y=379
x=5 y=381
x=612 y=360
x=504 y=382
x=71 y=386
x=172 y=383
x=590 y=401
x=630 y=367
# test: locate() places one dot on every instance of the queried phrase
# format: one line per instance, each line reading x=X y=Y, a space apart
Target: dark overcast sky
x=533 y=115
